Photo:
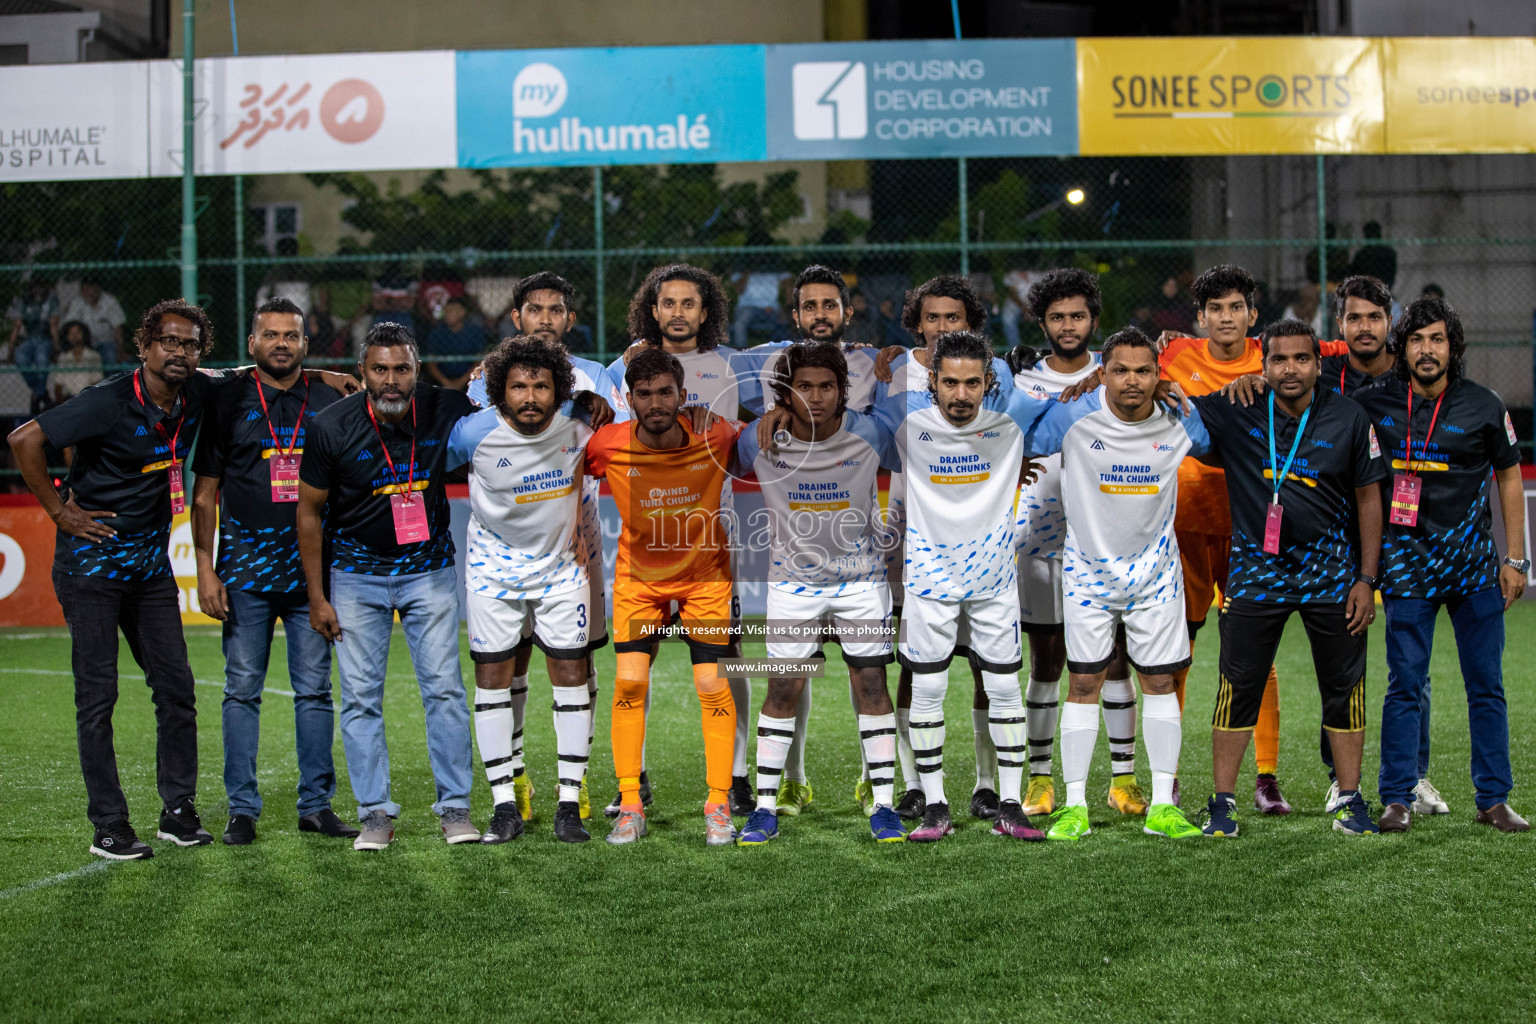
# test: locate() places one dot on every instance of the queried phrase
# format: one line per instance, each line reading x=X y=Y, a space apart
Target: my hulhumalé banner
x=1460 y=95
x=1219 y=96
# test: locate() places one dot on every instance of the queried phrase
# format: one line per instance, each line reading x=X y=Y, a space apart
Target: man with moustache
x=544 y=308
x=377 y=459
x=131 y=435
x=1302 y=471
x=247 y=491
x=1445 y=436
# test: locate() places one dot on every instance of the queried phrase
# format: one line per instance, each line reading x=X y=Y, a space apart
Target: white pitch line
x=65 y=876
x=200 y=682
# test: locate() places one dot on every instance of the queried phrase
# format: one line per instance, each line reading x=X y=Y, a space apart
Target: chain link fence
x=80 y=261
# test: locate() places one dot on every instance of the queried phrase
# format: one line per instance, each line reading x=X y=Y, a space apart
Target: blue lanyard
x=1301 y=427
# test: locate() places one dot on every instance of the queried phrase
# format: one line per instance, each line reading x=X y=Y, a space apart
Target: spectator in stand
x=454 y=334
x=1375 y=259
x=1168 y=310
x=102 y=316
x=889 y=320
x=863 y=327
x=760 y=306
x=1306 y=307
x=34 y=318
x=320 y=327
x=1016 y=285
x=1432 y=291
x=394 y=297
x=77 y=366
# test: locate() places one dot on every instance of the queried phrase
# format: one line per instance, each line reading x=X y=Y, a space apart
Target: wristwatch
x=1371 y=581
x=1520 y=565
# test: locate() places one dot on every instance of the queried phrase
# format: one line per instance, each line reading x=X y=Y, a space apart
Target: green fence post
x=1322 y=242
x=597 y=244
x=188 y=155
x=965 y=222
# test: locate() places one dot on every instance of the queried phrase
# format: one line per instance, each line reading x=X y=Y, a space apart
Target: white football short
x=1156 y=638
x=562 y=624
x=930 y=631
x=861 y=618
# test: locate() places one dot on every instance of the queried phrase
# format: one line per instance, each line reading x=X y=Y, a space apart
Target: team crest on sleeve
x=1376 y=448
x=1509 y=429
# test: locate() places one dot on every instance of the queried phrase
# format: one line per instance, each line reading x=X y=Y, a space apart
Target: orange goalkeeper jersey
x=669 y=501
x=1188 y=362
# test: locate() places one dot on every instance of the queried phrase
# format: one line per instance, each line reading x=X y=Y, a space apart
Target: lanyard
x=410 y=473
x=170 y=439
x=1342 y=370
x=1301 y=428
x=293 y=442
x=1408 y=440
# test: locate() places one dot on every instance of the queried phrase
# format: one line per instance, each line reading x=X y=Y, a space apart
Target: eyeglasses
x=174 y=343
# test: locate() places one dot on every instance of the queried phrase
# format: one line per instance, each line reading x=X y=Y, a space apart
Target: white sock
x=928 y=732
x=986 y=753
x=1079 y=735
x=741 y=695
x=773 y=736
x=877 y=743
x=794 y=767
x=1043 y=699
x=853 y=698
x=493 y=730
x=904 y=748
x=592 y=711
x=1118 y=701
x=1005 y=723
x=519 y=695
x=573 y=740
x=1162 y=726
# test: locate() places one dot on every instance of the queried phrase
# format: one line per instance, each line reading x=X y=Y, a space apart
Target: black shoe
x=326 y=822
x=241 y=830
x=740 y=796
x=568 y=826
x=984 y=804
x=506 y=824
x=182 y=826
x=612 y=810
x=911 y=805
x=118 y=841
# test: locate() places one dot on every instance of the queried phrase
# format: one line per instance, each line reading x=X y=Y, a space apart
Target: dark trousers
x=1478 y=621
x=1325 y=745
x=149 y=615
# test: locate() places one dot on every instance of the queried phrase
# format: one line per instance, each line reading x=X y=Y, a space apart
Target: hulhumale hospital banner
x=685 y=104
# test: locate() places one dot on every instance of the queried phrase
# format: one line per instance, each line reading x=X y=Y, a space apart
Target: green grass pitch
x=1288 y=922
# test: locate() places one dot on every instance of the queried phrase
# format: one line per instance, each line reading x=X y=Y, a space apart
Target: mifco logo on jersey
x=988 y=433
x=831 y=100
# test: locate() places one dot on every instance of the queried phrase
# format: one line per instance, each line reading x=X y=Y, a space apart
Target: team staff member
x=247 y=468
x=1302 y=470
x=1445 y=436
x=131 y=434
x=1364 y=314
x=378 y=459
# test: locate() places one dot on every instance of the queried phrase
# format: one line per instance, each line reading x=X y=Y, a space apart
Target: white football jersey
x=754 y=368
x=525 y=499
x=824 y=529
x=1119 y=489
x=960 y=488
x=707 y=376
x=1042 y=524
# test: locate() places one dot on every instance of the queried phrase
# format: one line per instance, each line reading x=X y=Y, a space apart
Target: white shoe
x=1427 y=799
x=1332 y=802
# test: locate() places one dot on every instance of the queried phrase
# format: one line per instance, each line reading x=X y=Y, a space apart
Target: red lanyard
x=170 y=439
x=410 y=473
x=1342 y=371
x=1408 y=441
x=293 y=442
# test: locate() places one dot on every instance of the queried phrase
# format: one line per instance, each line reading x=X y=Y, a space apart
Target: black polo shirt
x=1319 y=540
x=258 y=543
x=1450 y=551
x=120 y=465
x=1336 y=368
x=343 y=456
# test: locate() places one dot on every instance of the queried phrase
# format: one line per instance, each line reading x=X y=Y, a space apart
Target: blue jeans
x=428 y=604
x=247 y=647
x=36 y=352
x=1478 y=621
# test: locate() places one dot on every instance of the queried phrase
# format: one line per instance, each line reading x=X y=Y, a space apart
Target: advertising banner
x=62 y=122
x=1460 y=95
x=1221 y=96
x=935 y=98
x=325 y=112
x=636 y=105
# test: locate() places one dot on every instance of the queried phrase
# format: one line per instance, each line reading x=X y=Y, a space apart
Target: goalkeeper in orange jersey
x=666 y=480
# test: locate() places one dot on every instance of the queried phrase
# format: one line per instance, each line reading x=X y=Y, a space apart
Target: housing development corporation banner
x=855 y=100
